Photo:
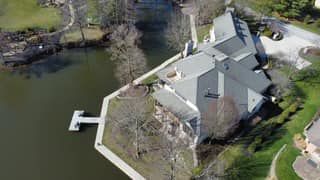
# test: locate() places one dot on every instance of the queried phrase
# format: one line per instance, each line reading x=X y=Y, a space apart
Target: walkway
x=287 y=49
x=71 y=23
x=194 y=34
x=189 y=8
x=158 y=68
x=101 y=127
x=108 y=154
x=291 y=30
x=272 y=173
x=117 y=161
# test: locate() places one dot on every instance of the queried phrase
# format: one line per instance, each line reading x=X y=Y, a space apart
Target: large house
x=312 y=133
x=224 y=68
x=308 y=166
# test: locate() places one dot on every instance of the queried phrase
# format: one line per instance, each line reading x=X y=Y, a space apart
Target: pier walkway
x=78 y=119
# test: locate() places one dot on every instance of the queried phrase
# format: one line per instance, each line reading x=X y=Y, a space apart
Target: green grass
x=265 y=155
x=90 y=34
x=22 y=14
x=309 y=27
x=92 y=14
x=150 y=79
x=203 y=31
x=297 y=125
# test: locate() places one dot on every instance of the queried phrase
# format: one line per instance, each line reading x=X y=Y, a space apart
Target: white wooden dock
x=78 y=119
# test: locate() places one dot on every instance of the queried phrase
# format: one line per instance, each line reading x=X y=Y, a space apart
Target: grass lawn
x=303 y=117
x=309 y=27
x=150 y=79
x=89 y=33
x=203 y=31
x=297 y=125
x=92 y=14
x=151 y=165
x=258 y=164
x=22 y=14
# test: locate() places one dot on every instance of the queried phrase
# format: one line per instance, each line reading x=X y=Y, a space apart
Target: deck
x=78 y=119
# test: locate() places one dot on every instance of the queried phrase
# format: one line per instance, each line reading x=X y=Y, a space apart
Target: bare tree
x=1 y=56
x=214 y=170
x=222 y=118
x=80 y=18
x=293 y=58
x=76 y=11
x=171 y=150
x=207 y=10
x=129 y=58
x=131 y=116
x=178 y=31
x=117 y=12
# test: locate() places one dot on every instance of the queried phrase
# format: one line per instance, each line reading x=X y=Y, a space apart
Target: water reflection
x=49 y=65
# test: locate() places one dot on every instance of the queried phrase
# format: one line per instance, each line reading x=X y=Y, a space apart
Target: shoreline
x=19 y=61
x=104 y=150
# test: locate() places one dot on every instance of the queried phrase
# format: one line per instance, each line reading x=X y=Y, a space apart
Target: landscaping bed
x=203 y=31
x=312 y=54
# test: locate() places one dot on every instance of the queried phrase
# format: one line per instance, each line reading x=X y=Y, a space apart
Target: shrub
x=253 y=146
x=294 y=107
x=317 y=23
x=307 y=19
x=197 y=170
x=282 y=117
x=267 y=32
x=151 y=79
x=52 y=29
x=286 y=113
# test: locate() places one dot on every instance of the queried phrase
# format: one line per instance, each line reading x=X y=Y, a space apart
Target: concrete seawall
x=107 y=153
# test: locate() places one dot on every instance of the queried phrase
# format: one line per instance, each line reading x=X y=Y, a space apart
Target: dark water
x=36 y=105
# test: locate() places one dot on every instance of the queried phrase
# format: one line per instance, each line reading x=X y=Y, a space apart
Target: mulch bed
x=314 y=51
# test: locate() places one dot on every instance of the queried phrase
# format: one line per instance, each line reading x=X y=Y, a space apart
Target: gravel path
x=272 y=173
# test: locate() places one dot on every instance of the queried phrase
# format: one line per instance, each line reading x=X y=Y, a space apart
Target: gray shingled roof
x=247 y=60
x=224 y=27
x=201 y=74
x=175 y=105
x=222 y=68
x=233 y=36
x=243 y=75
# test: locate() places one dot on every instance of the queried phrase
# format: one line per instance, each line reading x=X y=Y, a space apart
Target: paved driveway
x=306 y=169
x=295 y=38
x=287 y=49
x=291 y=30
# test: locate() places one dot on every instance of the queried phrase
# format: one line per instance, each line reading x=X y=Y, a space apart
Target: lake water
x=37 y=103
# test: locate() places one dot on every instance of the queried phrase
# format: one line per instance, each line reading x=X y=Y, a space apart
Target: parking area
x=306 y=168
x=287 y=49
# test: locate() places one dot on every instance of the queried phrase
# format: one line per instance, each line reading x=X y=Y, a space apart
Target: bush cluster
x=287 y=112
